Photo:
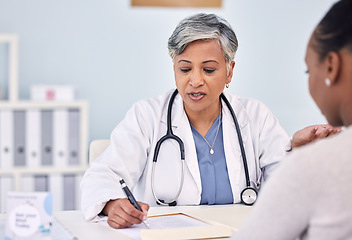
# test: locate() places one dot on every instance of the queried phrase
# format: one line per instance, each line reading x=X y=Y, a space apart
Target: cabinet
x=43 y=144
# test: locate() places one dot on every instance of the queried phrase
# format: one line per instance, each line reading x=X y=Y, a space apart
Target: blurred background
x=115 y=54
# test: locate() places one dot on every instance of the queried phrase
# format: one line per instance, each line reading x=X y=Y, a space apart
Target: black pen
x=131 y=198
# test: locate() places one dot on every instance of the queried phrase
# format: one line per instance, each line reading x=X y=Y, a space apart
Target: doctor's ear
x=230 y=70
x=333 y=66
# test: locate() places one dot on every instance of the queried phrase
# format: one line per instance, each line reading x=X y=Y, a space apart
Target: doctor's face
x=201 y=75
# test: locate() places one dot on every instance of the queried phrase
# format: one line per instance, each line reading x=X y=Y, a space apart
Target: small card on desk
x=29 y=215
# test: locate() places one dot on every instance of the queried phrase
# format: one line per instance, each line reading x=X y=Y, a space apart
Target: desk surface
x=230 y=215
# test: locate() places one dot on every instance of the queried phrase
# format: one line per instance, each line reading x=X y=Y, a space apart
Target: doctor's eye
x=208 y=70
x=185 y=70
x=306 y=72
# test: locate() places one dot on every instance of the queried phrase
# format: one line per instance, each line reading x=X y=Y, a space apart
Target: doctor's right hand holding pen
x=121 y=213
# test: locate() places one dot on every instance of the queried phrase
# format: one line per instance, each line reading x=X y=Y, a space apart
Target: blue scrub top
x=216 y=187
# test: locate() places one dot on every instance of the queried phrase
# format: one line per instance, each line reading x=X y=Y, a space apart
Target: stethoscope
x=248 y=195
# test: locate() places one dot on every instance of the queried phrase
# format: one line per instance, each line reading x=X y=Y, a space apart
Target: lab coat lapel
x=185 y=133
x=182 y=129
x=232 y=147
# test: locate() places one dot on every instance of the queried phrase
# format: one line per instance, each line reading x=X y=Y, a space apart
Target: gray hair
x=203 y=27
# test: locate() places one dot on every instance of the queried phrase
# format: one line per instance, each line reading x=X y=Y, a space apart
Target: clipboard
x=190 y=228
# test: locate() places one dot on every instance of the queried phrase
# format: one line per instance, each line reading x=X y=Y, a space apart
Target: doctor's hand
x=313 y=133
x=121 y=213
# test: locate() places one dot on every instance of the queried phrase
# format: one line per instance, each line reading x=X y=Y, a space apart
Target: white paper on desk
x=175 y=226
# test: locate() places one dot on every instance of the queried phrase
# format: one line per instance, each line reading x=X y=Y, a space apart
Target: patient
x=309 y=196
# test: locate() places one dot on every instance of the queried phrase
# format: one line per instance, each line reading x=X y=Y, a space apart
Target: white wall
x=115 y=54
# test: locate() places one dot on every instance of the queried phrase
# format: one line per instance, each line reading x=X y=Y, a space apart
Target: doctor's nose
x=196 y=80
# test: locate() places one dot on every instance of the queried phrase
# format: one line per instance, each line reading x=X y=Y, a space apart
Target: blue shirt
x=216 y=188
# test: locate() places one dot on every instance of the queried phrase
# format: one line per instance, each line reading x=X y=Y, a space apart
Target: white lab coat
x=130 y=154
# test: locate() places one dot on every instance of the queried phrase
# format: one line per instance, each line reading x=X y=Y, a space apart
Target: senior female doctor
x=213 y=171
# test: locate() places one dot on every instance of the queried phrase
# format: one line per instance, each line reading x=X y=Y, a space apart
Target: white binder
x=27 y=183
x=33 y=140
x=56 y=184
x=60 y=137
x=6 y=154
x=6 y=139
x=1 y=147
x=6 y=185
x=78 y=180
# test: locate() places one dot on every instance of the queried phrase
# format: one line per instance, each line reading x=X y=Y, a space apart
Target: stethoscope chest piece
x=249 y=195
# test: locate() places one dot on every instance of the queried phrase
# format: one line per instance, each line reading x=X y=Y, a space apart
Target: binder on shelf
x=47 y=137
x=78 y=179
x=6 y=155
x=69 y=192
x=74 y=133
x=41 y=183
x=33 y=137
x=56 y=185
x=0 y=141
x=6 y=139
x=60 y=137
x=36 y=135
x=19 y=131
x=6 y=185
x=27 y=183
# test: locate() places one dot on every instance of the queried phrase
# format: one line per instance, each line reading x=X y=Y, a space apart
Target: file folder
x=60 y=137
x=56 y=186
x=19 y=118
x=33 y=137
x=41 y=183
x=69 y=192
x=78 y=180
x=27 y=183
x=6 y=154
x=74 y=134
x=6 y=185
x=47 y=137
x=6 y=139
